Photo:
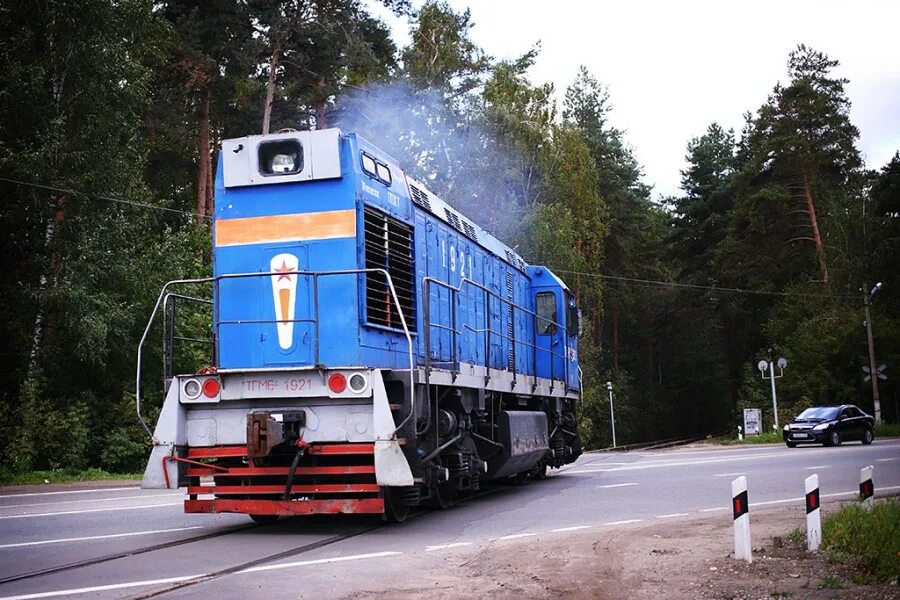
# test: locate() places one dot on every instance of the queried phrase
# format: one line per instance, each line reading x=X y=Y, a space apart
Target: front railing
x=169 y=337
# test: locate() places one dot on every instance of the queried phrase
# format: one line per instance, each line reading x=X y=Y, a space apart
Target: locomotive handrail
x=315 y=275
x=170 y=347
x=426 y=281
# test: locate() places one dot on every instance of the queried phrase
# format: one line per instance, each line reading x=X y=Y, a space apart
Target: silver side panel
x=169 y=433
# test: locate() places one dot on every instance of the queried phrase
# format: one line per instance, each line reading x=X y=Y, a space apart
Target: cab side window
x=546 y=313
x=572 y=317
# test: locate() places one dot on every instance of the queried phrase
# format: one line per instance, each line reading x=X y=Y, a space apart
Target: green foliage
x=872 y=536
x=768 y=437
x=12 y=477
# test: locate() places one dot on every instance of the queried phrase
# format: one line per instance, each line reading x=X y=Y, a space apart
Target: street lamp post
x=867 y=300
x=612 y=415
x=770 y=366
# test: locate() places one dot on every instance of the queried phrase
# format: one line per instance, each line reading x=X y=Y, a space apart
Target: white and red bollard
x=813 y=514
x=741 y=511
x=866 y=487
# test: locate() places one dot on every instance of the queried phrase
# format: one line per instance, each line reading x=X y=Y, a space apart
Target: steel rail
x=102 y=559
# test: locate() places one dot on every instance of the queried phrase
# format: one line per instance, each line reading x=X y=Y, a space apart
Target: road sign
x=752 y=421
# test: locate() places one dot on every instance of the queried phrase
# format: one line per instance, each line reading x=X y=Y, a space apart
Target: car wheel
x=834 y=439
x=791 y=444
x=868 y=436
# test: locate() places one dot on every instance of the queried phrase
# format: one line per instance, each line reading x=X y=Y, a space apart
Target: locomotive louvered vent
x=469 y=230
x=420 y=198
x=389 y=246
x=453 y=219
x=515 y=260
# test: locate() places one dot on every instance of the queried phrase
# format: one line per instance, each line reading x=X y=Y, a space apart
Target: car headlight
x=787 y=427
x=821 y=426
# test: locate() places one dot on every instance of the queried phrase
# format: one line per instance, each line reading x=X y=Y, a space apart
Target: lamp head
x=609 y=385
x=875 y=289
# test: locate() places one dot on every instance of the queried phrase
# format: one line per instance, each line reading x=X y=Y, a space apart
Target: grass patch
x=797 y=535
x=830 y=582
x=872 y=537
x=771 y=437
x=887 y=430
x=8 y=477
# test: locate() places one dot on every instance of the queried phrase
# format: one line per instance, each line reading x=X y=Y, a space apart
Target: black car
x=830 y=425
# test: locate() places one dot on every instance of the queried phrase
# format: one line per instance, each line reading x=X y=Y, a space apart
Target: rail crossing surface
x=123 y=542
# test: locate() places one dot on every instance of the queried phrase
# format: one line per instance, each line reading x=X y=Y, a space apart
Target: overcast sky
x=673 y=67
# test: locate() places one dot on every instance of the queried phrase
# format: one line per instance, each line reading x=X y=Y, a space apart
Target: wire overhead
x=101 y=197
x=701 y=288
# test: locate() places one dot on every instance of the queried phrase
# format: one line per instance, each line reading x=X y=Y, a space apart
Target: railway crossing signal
x=879 y=372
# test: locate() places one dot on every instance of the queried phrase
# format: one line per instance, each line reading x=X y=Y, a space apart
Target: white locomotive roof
x=429 y=202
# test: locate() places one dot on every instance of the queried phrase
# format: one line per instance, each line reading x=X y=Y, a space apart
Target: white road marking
x=89 y=510
x=99 y=537
x=589 y=471
x=615 y=485
x=515 y=536
x=818 y=467
x=317 y=561
x=670 y=515
x=574 y=528
x=884 y=459
x=690 y=462
x=713 y=509
x=93 y=491
x=445 y=546
x=625 y=522
x=101 y=588
x=729 y=474
x=2 y=506
x=148 y=582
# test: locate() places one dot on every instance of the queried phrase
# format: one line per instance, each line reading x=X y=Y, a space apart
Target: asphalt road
x=162 y=552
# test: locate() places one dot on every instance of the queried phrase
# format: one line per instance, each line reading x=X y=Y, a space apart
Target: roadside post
x=813 y=514
x=741 y=512
x=866 y=486
x=740 y=435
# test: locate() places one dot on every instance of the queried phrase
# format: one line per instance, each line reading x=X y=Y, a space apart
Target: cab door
x=573 y=330
x=549 y=334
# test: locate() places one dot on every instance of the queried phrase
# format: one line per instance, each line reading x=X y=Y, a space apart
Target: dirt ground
x=676 y=559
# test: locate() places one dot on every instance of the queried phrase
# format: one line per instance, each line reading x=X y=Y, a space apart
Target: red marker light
x=337 y=383
x=211 y=388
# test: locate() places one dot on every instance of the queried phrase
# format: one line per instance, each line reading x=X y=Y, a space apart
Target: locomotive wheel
x=264 y=519
x=540 y=471
x=444 y=496
x=395 y=508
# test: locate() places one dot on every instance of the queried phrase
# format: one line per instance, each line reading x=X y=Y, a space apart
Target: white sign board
x=752 y=421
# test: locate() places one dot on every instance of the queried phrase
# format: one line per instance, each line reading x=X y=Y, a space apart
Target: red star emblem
x=285 y=270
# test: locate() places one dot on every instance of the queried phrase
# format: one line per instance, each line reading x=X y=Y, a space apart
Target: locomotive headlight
x=357 y=383
x=191 y=389
x=283 y=163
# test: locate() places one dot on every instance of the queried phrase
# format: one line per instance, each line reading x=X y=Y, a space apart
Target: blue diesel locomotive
x=373 y=349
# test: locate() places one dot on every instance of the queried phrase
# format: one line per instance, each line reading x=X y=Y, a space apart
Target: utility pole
x=770 y=366
x=867 y=300
x=612 y=415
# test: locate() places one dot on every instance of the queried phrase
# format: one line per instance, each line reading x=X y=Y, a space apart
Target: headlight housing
x=821 y=426
x=787 y=427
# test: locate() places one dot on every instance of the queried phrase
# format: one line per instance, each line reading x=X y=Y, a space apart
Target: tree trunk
x=270 y=84
x=615 y=337
x=320 y=103
x=44 y=284
x=817 y=238
x=203 y=171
